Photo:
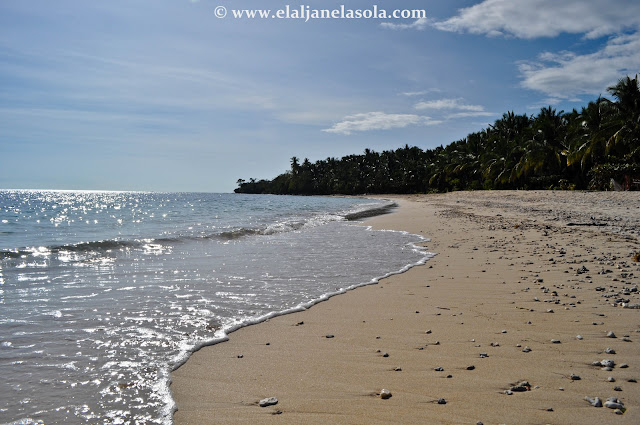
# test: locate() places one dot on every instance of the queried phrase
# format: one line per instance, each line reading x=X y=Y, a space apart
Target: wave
x=287 y=225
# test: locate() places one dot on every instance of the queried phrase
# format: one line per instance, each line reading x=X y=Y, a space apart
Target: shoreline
x=483 y=281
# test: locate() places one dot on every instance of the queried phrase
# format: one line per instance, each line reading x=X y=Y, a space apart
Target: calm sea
x=102 y=294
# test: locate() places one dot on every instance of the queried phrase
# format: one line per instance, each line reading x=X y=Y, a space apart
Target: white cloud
x=378 y=121
x=545 y=18
x=469 y=114
x=418 y=24
x=447 y=104
x=565 y=75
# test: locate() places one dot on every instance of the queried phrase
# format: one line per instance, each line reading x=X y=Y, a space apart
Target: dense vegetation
x=552 y=150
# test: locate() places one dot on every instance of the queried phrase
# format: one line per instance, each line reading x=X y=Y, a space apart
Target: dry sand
x=505 y=261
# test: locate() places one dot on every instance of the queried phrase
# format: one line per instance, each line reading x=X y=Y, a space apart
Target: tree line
x=583 y=149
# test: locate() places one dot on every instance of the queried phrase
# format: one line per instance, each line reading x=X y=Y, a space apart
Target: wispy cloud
x=545 y=18
x=369 y=121
x=565 y=75
x=418 y=24
x=448 y=104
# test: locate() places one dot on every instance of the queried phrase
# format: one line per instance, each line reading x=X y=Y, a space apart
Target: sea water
x=102 y=294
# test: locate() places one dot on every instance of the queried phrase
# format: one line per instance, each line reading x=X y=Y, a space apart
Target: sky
x=167 y=95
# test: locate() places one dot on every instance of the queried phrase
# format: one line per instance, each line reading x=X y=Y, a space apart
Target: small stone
x=471 y=367
x=624 y=366
x=271 y=401
x=521 y=387
x=397 y=369
x=610 y=351
x=613 y=403
x=484 y=355
x=595 y=402
x=428 y=331
x=385 y=355
x=618 y=412
x=610 y=334
x=329 y=336
x=508 y=392
x=617 y=388
x=555 y=341
x=449 y=376
x=549 y=409
x=504 y=331
x=632 y=380
x=574 y=377
x=611 y=379
x=607 y=363
x=550 y=310
x=580 y=337
x=439 y=369
x=442 y=401
x=240 y=356
x=385 y=394
x=526 y=349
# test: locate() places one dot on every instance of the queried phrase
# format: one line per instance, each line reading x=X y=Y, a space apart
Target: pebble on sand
x=271 y=401
x=385 y=394
x=595 y=402
x=610 y=334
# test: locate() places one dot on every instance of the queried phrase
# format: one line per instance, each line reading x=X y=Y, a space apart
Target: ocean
x=103 y=294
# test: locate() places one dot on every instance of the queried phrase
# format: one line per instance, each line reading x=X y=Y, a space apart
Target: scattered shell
x=385 y=394
x=271 y=401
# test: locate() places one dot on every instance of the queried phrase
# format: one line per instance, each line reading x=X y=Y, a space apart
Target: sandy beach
x=528 y=290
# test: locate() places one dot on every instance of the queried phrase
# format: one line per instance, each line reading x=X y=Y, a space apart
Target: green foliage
x=551 y=150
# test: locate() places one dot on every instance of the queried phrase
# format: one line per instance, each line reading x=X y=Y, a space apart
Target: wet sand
x=518 y=277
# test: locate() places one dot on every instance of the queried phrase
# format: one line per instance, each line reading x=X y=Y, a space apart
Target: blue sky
x=163 y=95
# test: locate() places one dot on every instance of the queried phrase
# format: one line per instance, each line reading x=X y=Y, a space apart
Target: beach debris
x=632 y=380
x=610 y=334
x=240 y=356
x=397 y=369
x=574 y=377
x=614 y=403
x=579 y=337
x=526 y=349
x=595 y=402
x=582 y=270
x=550 y=310
x=442 y=401
x=610 y=351
x=299 y=323
x=484 y=355
x=449 y=376
x=521 y=386
x=471 y=367
x=504 y=331
x=555 y=341
x=508 y=392
x=329 y=336
x=385 y=355
x=617 y=388
x=439 y=369
x=611 y=379
x=549 y=409
x=604 y=363
x=385 y=394
x=270 y=401
x=624 y=366
x=428 y=331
